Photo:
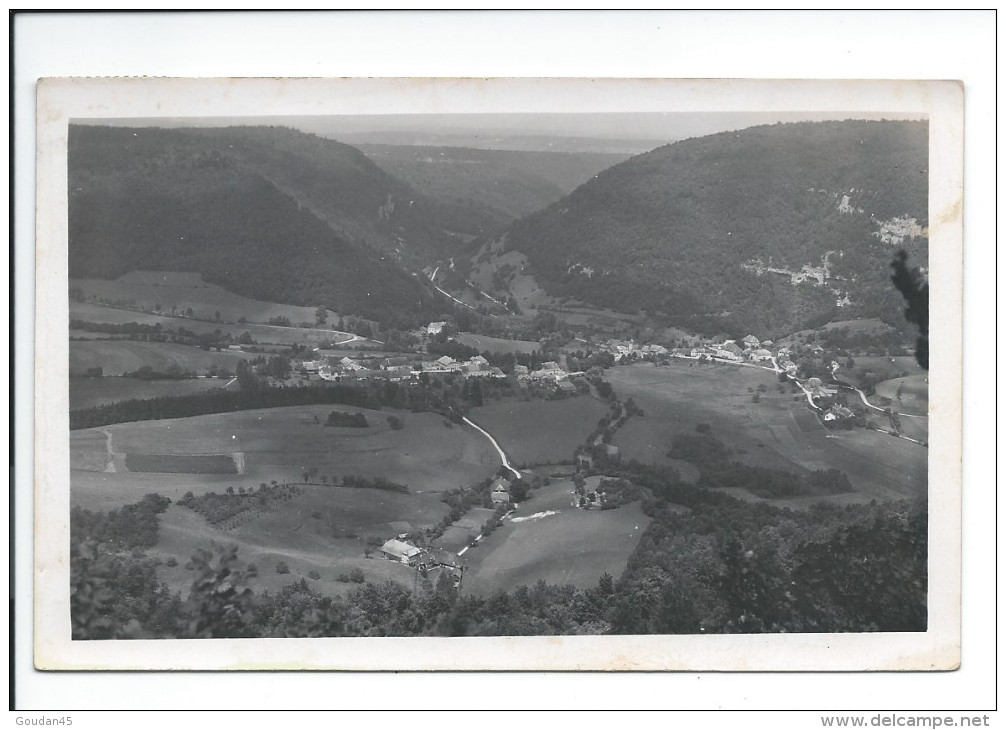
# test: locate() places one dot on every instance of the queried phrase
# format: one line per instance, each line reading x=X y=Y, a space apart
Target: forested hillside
x=478 y=191
x=268 y=213
x=732 y=232
x=726 y=567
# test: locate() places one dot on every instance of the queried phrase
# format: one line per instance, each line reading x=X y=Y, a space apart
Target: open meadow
x=276 y=444
x=184 y=290
x=914 y=428
x=540 y=431
x=880 y=369
x=90 y=392
x=871 y=325
x=460 y=533
x=914 y=394
x=779 y=431
x=890 y=365
x=495 y=344
x=117 y=357
x=580 y=315
x=260 y=333
x=548 y=539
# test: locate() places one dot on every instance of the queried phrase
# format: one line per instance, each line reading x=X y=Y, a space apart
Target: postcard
x=498 y=374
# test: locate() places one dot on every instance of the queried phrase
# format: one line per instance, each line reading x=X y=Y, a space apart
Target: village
x=566 y=374
x=826 y=400
x=575 y=366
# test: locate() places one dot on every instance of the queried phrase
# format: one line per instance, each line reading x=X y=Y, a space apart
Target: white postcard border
x=62 y=100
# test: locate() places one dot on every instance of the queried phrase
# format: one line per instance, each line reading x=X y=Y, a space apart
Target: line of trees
x=450 y=395
x=126 y=328
x=221 y=401
x=218 y=508
x=352 y=481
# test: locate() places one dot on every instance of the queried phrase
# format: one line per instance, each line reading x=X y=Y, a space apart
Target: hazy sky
x=512 y=131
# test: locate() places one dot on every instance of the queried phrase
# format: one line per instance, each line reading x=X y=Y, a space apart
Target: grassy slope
x=458 y=535
x=261 y=333
x=574 y=546
x=914 y=393
x=89 y=392
x=494 y=344
x=116 y=357
x=184 y=290
x=279 y=444
x=521 y=285
x=540 y=431
x=332 y=543
x=777 y=432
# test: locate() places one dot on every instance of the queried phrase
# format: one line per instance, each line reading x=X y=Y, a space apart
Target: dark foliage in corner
x=915 y=289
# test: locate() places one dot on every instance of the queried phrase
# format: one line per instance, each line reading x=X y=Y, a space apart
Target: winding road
x=776 y=369
x=485 y=433
x=867 y=403
x=810 y=399
x=506 y=463
x=455 y=299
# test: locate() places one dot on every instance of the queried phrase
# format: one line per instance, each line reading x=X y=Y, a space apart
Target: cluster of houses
x=783 y=361
x=627 y=349
x=474 y=367
x=817 y=389
x=750 y=349
x=550 y=373
x=400 y=368
x=838 y=413
x=404 y=552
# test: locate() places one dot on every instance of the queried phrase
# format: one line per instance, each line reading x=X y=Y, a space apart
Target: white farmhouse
x=401 y=551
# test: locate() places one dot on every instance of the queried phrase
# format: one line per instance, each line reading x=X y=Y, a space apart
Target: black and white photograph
x=659 y=376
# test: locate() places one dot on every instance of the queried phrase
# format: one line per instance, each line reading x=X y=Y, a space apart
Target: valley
x=428 y=391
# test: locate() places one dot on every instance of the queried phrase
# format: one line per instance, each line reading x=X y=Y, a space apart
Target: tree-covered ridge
x=723 y=566
x=269 y=213
x=670 y=230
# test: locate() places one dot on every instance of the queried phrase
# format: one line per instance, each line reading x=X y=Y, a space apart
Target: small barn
x=500 y=491
x=401 y=551
x=818 y=389
x=838 y=413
